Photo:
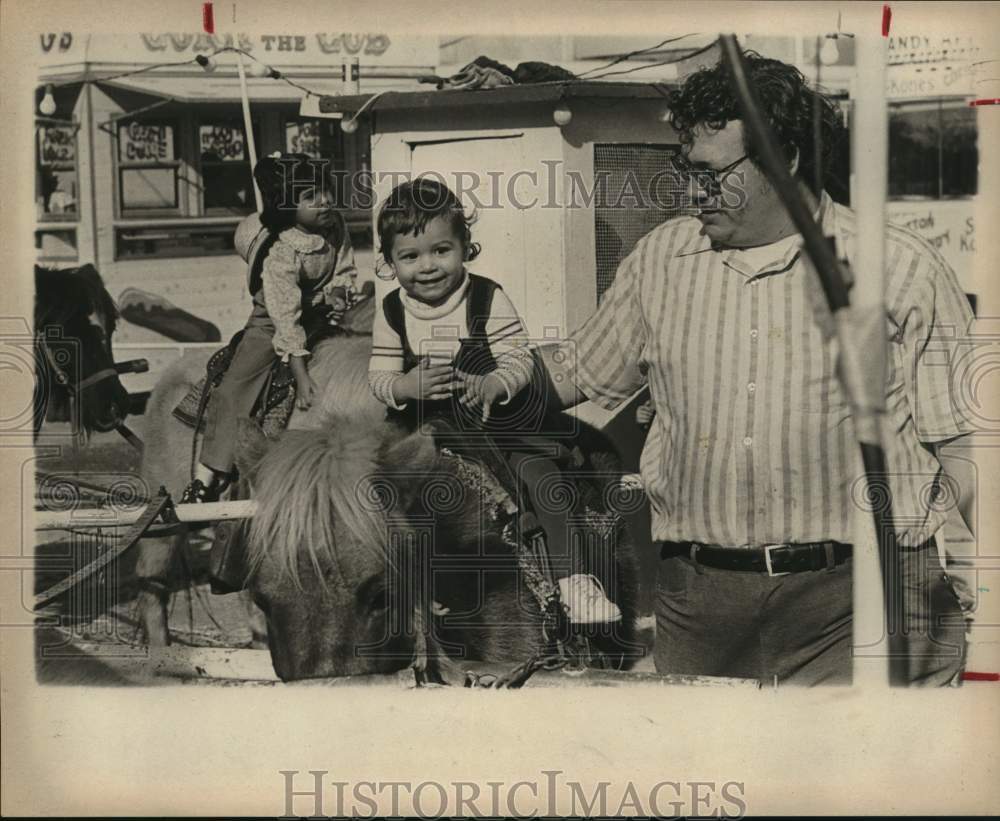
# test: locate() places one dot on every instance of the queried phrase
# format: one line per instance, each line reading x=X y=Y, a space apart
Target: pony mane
x=307 y=482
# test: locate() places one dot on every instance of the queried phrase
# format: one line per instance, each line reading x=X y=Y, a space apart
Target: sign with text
x=57 y=144
x=937 y=80
x=948 y=225
x=223 y=143
x=281 y=49
x=146 y=143
x=931 y=48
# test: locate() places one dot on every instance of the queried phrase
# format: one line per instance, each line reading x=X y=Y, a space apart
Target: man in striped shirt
x=752 y=444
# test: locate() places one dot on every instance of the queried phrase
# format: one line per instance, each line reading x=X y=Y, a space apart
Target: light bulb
x=829 y=53
x=349 y=126
x=206 y=63
x=47 y=106
x=562 y=115
x=257 y=69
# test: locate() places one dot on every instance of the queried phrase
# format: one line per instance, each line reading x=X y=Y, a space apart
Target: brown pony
x=371 y=550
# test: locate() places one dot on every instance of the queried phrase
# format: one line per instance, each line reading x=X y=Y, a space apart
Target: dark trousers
x=534 y=472
x=235 y=396
x=797 y=629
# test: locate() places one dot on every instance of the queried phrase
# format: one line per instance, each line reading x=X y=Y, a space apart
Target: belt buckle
x=767 y=560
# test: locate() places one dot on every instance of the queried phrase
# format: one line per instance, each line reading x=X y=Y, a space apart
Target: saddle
x=274 y=406
x=276 y=399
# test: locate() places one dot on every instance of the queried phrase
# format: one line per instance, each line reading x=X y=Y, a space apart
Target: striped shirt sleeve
x=386 y=363
x=934 y=322
x=508 y=342
x=605 y=352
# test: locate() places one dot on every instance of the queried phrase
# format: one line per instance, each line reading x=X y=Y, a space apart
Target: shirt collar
x=303 y=241
x=826 y=214
x=697 y=243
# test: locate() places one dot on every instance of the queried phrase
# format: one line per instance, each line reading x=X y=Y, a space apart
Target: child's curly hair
x=413 y=204
x=707 y=98
x=282 y=181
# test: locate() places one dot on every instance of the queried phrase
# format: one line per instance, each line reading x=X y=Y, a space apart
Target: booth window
x=933 y=153
x=56 y=179
x=226 y=180
x=148 y=168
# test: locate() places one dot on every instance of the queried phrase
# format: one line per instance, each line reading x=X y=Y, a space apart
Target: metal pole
x=873 y=610
x=248 y=126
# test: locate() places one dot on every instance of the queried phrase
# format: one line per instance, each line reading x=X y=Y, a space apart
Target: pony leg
x=258 y=622
x=155 y=572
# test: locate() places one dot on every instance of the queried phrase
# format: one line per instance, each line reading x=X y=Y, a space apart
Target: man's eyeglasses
x=707 y=178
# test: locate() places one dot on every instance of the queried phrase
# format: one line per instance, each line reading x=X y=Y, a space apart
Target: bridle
x=63 y=379
x=73 y=390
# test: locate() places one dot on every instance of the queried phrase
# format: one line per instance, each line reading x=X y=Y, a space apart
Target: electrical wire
x=688 y=56
x=274 y=73
x=623 y=57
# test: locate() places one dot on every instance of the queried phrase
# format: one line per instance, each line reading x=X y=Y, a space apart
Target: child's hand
x=306 y=390
x=337 y=310
x=426 y=381
x=481 y=390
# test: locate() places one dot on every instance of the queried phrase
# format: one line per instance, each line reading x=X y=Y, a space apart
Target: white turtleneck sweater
x=437 y=331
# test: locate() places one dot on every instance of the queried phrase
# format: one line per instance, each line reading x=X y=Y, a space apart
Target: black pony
x=76 y=379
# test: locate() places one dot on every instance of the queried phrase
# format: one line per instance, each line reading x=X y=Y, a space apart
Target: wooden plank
x=111 y=517
x=207 y=513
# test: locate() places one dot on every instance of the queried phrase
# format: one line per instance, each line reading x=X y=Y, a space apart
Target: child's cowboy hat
x=252 y=241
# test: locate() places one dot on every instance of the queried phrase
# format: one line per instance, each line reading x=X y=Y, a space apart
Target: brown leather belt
x=773 y=559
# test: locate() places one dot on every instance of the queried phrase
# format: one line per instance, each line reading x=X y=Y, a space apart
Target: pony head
x=75 y=318
x=327 y=551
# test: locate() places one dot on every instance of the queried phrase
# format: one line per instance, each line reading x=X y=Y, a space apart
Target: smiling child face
x=429 y=265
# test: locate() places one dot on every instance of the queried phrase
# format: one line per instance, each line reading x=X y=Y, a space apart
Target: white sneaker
x=585 y=600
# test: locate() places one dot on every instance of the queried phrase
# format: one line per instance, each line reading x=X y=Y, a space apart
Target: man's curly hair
x=707 y=98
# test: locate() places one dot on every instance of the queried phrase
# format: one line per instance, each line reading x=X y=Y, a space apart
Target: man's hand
x=481 y=390
x=426 y=381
